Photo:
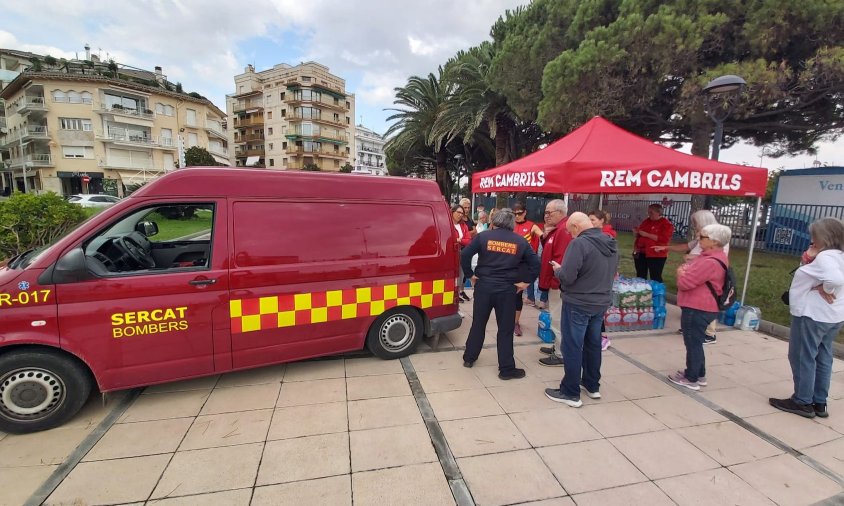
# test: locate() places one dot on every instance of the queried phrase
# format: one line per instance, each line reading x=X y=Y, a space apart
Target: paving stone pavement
x=426 y=430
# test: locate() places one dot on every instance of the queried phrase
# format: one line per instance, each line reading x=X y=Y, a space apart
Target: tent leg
x=752 y=245
x=472 y=210
x=600 y=201
x=566 y=200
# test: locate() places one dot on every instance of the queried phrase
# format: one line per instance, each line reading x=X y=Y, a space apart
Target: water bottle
x=612 y=319
x=739 y=316
x=659 y=317
x=647 y=319
x=658 y=294
x=544 y=327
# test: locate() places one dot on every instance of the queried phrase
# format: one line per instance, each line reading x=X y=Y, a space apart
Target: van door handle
x=202 y=282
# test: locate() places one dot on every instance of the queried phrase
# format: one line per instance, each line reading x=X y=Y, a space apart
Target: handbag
x=784 y=297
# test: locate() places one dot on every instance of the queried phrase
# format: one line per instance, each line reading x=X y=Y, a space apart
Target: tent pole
x=752 y=245
x=600 y=201
x=472 y=210
x=566 y=200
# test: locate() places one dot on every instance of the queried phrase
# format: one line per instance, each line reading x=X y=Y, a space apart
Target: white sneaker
x=591 y=395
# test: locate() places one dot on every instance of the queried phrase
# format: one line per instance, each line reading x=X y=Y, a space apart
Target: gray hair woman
x=483 y=222
x=699 y=307
x=816 y=302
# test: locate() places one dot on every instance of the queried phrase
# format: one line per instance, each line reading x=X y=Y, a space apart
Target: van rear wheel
x=40 y=390
x=395 y=334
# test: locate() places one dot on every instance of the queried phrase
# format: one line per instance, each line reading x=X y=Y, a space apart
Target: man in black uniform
x=506 y=265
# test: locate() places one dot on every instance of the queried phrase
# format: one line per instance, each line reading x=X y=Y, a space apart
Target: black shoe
x=511 y=374
x=464 y=297
x=820 y=410
x=791 y=406
x=468 y=363
x=548 y=350
x=551 y=361
x=710 y=340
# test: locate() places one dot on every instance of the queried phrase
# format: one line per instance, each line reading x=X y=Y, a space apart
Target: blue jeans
x=543 y=295
x=810 y=356
x=531 y=295
x=694 y=323
x=581 y=331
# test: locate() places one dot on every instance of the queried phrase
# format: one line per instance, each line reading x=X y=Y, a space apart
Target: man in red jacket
x=554 y=243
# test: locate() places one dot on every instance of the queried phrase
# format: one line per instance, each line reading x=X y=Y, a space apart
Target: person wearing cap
x=532 y=233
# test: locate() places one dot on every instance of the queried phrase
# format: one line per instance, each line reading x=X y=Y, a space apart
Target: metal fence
x=781 y=228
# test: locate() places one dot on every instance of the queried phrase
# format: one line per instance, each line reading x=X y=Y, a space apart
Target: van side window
x=272 y=233
x=154 y=239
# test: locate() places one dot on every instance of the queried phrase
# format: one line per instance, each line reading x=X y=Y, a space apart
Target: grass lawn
x=174 y=229
x=769 y=277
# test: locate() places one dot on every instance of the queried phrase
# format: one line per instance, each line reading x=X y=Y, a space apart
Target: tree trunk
x=442 y=175
x=503 y=129
x=701 y=135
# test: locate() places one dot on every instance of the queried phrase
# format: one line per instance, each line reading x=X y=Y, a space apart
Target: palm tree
x=422 y=100
x=474 y=107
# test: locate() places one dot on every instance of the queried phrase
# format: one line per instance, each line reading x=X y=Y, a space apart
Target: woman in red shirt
x=601 y=220
x=654 y=231
x=463 y=237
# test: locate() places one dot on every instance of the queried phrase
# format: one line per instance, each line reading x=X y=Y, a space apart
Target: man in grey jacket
x=586 y=278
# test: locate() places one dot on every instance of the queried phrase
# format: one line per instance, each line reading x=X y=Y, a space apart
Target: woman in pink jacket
x=697 y=302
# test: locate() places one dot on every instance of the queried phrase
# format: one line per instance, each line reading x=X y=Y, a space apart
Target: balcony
x=135 y=140
x=298 y=100
x=371 y=149
x=31 y=104
x=219 y=151
x=34 y=160
x=240 y=153
x=317 y=119
x=316 y=152
x=296 y=132
x=114 y=163
x=119 y=110
x=240 y=139
x=214 y=129
x=242 y=107
x=248 y=122
x=2 y=122
x=30 y=133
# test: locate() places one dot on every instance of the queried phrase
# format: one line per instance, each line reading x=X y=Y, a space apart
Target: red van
x=205 y=271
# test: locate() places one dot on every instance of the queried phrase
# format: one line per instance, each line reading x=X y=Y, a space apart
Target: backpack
x=728 y=291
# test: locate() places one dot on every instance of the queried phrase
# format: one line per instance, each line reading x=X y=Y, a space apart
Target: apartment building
x=88 y=127
x=369 y=149
x=291 y=117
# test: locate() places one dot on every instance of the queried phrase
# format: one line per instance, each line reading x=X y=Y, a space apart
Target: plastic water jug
x=544 y=328
x=739 y=315
x=750 y=318
x=659 y=317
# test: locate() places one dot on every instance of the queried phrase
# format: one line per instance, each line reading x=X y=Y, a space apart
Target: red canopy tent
x=600 y=157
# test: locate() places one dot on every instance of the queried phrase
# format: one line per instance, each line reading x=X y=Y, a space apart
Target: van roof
x=241 y=182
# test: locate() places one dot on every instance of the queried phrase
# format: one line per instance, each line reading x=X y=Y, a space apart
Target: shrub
x=30 y=221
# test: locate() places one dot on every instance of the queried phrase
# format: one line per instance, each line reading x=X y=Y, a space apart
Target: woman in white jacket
x=816 y=300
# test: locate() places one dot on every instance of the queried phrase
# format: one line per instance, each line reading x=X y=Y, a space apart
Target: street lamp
x=720 y=96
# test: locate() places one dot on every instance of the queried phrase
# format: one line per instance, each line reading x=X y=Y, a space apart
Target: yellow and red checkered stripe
x=289 y=310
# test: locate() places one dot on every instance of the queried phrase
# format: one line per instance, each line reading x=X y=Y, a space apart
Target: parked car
x=271 y=267
x=89 y=200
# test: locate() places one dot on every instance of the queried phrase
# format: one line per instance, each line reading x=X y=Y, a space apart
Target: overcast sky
x=375 y=45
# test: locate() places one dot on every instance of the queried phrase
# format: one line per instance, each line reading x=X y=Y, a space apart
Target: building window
x=348 y=105
x=193 y=140
x=77 y=152
x=270 y=131
x=75 y=124
x=272 y=162
x=59 y=96
x=271 y=146
x=306 y=79
x=284 y=145
x=159 y=108
x=282 y=95
x=283 y=113
x=191 y=117
x=336 y=164
x=347 y=150
x=269 y=115
x=269 y=99
x=348 y=121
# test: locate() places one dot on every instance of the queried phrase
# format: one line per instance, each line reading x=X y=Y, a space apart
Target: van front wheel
x=40 y=390
x=395 y=334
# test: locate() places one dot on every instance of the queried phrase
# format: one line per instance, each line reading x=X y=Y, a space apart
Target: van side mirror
x=71 y=267
x=147 y=228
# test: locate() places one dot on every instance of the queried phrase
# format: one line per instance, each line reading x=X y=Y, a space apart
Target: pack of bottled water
x=637 y=304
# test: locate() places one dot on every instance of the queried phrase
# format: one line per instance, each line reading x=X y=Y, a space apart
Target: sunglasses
x=519 y=213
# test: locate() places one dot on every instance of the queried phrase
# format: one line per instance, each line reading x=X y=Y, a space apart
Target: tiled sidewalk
x=350 y=431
